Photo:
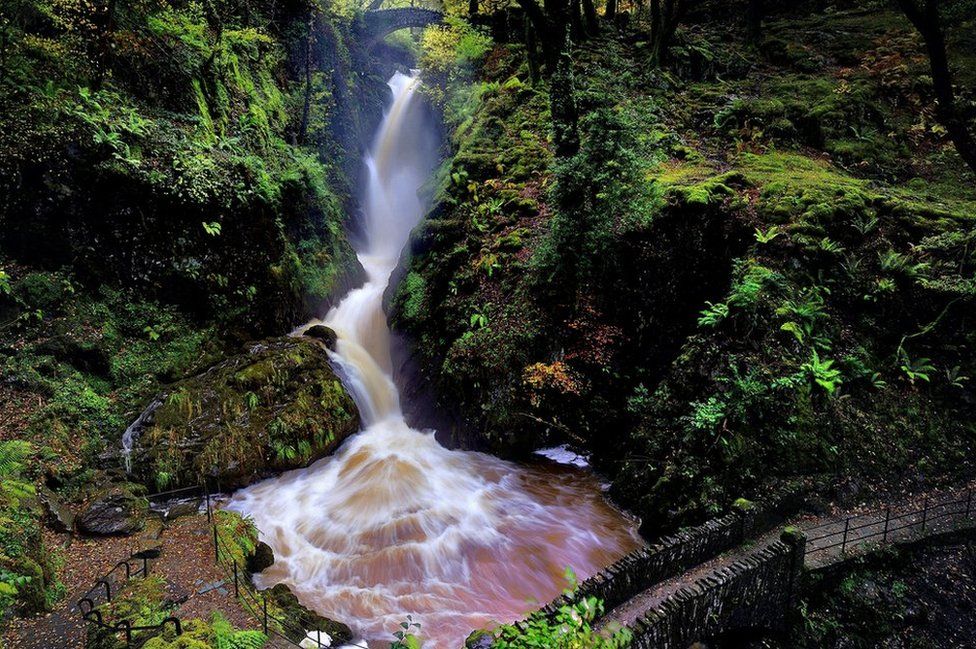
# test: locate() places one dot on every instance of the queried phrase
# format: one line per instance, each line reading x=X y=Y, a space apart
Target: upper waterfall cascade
x=394 y=523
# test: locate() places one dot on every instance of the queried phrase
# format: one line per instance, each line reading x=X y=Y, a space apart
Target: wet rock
x=262 y=558
x=277 y=406
x=114 y=511
x=847 y=492
x=307 y=619
x=479 y=640
x=177 y=509
x=323 y=333
x=58 y=516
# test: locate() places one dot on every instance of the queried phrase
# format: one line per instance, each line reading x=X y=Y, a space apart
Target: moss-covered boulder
x=117 y=509
x=275 y=407
x=306 y=621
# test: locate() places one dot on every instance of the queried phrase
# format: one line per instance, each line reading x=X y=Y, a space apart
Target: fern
x=823 y=373
x=713 y=314
x=915 y=369
x=225 y=637
x=12 y=455
x=830 y=246
x=768 y=235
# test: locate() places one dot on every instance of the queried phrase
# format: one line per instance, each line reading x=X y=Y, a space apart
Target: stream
x=394 y=524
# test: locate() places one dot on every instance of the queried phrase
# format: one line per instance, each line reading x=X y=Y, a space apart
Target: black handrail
x=918 y=518
x=254 y=601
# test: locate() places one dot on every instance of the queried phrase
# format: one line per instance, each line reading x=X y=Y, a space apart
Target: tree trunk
x=551 y=25
x=610 y=12
x=665 y=17
x=472 y=7
x=542 y=30
x=589 y=14
x=532 y=52
x=576 y=22
x=655 y=22
x=104 y=45
x=754 y=18
x=562 y=102
x=3 y=52
x=926 y=21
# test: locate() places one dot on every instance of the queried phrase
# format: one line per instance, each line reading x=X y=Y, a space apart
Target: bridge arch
x=380 y=22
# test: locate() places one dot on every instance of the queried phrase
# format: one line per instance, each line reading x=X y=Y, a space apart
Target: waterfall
x=394 y=523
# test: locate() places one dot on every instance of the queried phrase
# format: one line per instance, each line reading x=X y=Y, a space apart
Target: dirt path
x=186 y=563
x=830 y=539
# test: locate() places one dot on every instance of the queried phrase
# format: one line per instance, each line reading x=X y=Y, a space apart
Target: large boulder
x=305 y=619
x=325 y=334
x=115 y=510
x=58 y=516
x=275 y=407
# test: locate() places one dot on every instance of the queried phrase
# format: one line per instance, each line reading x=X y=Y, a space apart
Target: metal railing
x=256 y=603
x=937 y=513
x=108 y=587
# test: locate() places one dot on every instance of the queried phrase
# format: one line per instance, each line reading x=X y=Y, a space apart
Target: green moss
x=415 y=292
x=743 y=505
x=276 y=407
x=217 y=633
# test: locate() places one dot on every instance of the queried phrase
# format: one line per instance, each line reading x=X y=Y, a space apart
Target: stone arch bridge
x=380 y=22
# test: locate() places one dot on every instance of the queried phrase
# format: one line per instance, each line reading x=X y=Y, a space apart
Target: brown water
x=394 y=523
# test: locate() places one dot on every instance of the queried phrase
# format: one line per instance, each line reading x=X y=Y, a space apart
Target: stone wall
x=756 y=591
x=675 y=554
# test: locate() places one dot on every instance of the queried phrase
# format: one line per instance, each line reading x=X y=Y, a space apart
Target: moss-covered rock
x=114 y=510
x=277 y=406
x=307 y=620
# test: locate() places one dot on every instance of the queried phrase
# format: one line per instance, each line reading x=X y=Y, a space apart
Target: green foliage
x=182 y=114
x=406 y=636
x=449 y=53
x=238 y=536
x=592 y=188
x=27 y=578
x=915 y=369
x=768 y=235
x=713 y=314
x=570 y=628
x=823 y=372
x=217 y=633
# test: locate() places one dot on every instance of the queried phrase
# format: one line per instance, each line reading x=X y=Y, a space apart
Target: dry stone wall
x=673 y=555
x=756 y=591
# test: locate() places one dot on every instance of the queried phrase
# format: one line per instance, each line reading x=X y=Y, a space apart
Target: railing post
x=108 y=589
x=237 y=592
x=847 y=526
x=925 y=513
x=206 y=490
x=126 y=627
x=145 y=566
x=216 y=545
x=265 y=624
x=884 y=539
x=175 y=621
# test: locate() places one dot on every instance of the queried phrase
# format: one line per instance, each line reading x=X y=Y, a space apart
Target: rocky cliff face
x=744 y=275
